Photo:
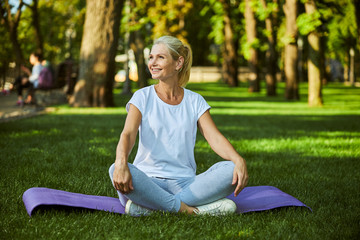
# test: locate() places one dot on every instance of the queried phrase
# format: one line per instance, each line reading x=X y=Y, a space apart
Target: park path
x=10 y=111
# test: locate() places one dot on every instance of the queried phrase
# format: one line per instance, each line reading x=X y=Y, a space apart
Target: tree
x=168 y=17
x=137 y=44
x=314 y=70
x=271 y=54
x=198 y=28
x=36 y=24
x=6 y=54
x=357 y=14
x=291 y=52
x=11 y=22
x=137 y=27
x=252 y=41
x=61 y=26
x=230 y=67
x=97 y=54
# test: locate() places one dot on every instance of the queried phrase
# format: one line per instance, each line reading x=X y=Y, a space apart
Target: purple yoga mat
x=250 y=199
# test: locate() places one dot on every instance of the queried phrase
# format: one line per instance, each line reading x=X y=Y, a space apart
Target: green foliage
x=311 y=154
x=308 y=23
x=263 y=13
x=62 y=26
x=66 y=19
x=216 y=20
x=165 y=17
x=59 y=20
x=342 y=32
x=256 y=44
x=216 y=13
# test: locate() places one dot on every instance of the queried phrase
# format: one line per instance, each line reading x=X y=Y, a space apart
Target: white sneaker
x=219 y=207
x=135 y=210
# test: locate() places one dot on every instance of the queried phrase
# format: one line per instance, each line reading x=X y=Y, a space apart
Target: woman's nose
x=152 y=62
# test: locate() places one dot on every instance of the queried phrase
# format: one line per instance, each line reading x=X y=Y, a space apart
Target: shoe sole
x=127 y=206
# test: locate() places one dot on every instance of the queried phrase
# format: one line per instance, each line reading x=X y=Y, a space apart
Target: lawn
x=310 y=153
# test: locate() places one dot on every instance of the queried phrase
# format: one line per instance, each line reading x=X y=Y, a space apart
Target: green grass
x=310 y=153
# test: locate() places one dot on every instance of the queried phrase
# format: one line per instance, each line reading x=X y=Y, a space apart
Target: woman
x=167 y=115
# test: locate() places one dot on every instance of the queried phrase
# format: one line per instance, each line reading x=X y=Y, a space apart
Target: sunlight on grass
x=95 y=111
x=310 y=153
x=31 y=133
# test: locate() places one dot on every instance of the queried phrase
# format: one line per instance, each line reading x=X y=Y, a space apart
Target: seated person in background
x=35 y=60
x=22 y=82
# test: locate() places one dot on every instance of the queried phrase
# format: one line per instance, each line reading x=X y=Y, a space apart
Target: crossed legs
x=182 y=194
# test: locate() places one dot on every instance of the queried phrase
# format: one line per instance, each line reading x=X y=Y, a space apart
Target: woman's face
x=161 y=65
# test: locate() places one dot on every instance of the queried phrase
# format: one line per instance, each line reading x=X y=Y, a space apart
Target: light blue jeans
x=167 y=194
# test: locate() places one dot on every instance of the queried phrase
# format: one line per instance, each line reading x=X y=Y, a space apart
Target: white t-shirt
x=167 y=133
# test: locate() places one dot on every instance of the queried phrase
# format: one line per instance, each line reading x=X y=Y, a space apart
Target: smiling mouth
x=155 y=70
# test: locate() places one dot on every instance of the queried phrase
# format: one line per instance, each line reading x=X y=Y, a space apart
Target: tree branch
x=2 y=12
x=18 y=13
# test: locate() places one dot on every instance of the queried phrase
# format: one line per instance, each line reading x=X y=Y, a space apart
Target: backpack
x=46 y=79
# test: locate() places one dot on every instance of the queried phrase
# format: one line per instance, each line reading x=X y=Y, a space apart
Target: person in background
x=35 y=60
x=22 y=82
x=33 y=79
x=167 y=116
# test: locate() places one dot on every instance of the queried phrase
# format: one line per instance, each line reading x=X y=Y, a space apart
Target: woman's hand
x=122 y=179
x=240 y=176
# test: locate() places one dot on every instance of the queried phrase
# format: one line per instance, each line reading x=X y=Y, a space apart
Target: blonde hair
x=177 y=49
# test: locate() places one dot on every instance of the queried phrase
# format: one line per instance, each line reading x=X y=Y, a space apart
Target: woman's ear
x=180 y=63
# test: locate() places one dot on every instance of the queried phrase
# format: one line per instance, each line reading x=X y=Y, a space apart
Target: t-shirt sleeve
x=202 y=106
x=138 y=100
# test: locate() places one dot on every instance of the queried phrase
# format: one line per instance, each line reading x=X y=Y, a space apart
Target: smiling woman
x=166 y=115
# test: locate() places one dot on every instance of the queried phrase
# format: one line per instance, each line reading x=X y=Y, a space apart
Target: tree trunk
x=126 y=89
x=137 y=44
x=19 y=56
x=271 y=56
x=325 y=77
x=35 y=22
x=229 y=51
x=11 y=24
x=357 y=14
x=346 y=67
x=97 y=54
x=250 y=27
x=291 y=52
x=352 y=66
x=300 y=62
x=314 y=70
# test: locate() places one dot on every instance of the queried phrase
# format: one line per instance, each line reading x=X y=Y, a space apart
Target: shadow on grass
x=49 y=209
x=252 y=126
x=235 y=127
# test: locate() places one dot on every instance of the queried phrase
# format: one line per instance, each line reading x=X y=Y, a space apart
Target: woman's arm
x=122 y=176
x=224 y=149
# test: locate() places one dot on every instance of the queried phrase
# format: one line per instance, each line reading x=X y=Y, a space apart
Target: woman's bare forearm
x=128 y=136
x=124 y=147
x=225 y=149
